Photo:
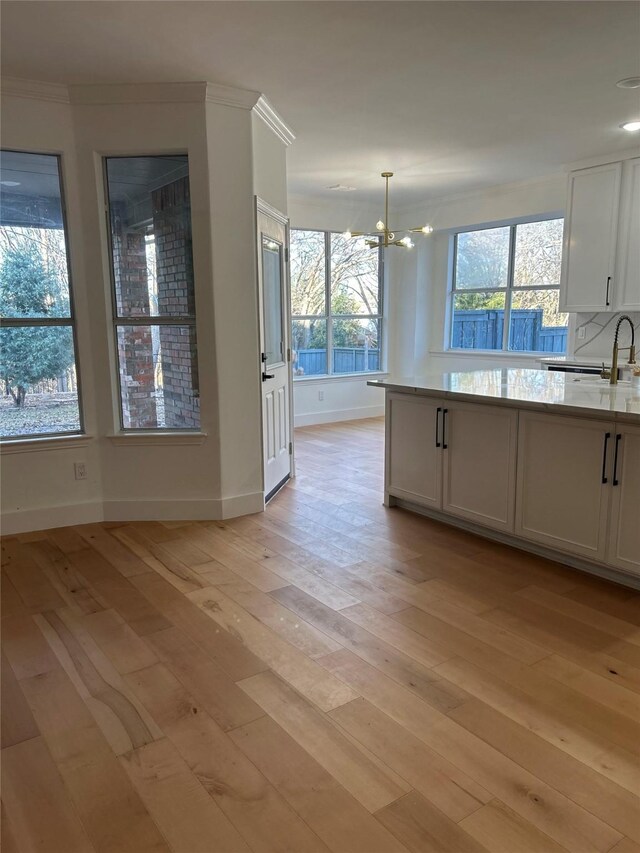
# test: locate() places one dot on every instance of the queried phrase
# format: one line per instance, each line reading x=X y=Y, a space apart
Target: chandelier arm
x=387 y=236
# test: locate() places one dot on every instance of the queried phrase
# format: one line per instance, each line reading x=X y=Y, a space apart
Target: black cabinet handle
x=608 y=286
x=607 y=436
x=444 y=427
x=438 y=410
x=616 y=482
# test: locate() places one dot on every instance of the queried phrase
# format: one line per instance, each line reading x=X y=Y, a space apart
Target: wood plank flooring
x=327 y=676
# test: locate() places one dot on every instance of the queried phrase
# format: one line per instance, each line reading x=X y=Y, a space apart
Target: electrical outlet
x=80 y=470
x=582 y=332
x=320 y=395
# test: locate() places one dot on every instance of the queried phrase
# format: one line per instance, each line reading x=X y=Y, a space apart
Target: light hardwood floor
x=327 y=676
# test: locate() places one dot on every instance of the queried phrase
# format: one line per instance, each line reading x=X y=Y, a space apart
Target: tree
x=31 y=287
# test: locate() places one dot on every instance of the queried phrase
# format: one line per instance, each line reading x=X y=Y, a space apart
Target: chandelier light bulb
x=380 y=225
x=408 y=242
x=631 y=126
x=347 y=235
x=427 y=229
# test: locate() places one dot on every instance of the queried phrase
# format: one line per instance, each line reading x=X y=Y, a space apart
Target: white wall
x=212 y=475
x=269 y=165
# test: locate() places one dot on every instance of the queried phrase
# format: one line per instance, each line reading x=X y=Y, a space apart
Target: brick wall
x=174 y=275
x=134 y=342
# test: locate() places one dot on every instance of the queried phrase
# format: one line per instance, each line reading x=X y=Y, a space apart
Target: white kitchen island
x=548 y=462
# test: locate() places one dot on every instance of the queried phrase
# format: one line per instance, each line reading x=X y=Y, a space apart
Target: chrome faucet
x=616 y=349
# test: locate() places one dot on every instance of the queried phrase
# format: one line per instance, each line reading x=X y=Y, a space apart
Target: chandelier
x=387 y=235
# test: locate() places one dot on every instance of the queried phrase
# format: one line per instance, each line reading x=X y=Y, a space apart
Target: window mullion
x=164 y=320
x=327 y=301
x=507 y=301
x=19 y=322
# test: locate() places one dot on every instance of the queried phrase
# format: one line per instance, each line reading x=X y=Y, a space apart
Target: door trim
x=263 y=207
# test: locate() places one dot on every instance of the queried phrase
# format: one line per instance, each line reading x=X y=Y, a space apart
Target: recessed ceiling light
x=10 y=183
x=341 y=188
x=631 y=126
x=629 y=83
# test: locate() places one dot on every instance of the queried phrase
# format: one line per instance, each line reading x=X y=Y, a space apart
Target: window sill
x=338 y=377
x=157 y=438
x=485 y=353
x=34 y=445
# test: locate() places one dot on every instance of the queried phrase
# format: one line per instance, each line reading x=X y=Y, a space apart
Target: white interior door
x=273 y=278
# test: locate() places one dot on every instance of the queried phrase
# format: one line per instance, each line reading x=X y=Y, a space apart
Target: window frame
x=328 y=316
x=66 y=322
x=509 y=290
x=118 y=321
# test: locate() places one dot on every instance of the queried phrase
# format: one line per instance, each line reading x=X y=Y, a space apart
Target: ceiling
x=451 y=96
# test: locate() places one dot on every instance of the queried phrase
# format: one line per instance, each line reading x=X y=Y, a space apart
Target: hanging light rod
x=382 y=227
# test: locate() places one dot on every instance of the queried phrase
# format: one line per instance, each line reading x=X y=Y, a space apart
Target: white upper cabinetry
x=601 y=257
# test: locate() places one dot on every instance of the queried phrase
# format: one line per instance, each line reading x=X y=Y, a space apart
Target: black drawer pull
x=607 y=436
x=438 y=410
x=608 y=286
x=616 y=482
x=444 y=427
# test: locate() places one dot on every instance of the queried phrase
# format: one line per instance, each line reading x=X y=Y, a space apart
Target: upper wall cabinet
x=628 y=287
x=601 y=258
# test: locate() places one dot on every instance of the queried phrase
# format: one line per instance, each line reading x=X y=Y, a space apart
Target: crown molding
x=493 y=191
x=137 y=93
x=604 y=159
x=273 y=120
x=229 y=96
x=35 y=89
x=152 y=93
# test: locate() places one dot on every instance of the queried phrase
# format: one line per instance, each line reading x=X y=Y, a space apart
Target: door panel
x=624 y=544
x=274 y=341
x=590 y=239
x=480 y=464
x=561 y=498
x=414 y=462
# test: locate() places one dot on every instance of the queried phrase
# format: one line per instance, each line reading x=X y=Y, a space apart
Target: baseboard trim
x=44 y=518
x=241 y=505
x=336 y=415
x=567 y=560
x=212 y=509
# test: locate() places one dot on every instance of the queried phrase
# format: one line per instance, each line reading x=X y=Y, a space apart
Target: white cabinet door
x=590 y=239
x=624 y=525
x=562 y=501
x=628 y=286
x=479 y=463
x=413 y=457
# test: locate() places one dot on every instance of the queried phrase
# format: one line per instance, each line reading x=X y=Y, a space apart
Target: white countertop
x=564 y=393
x=590 y=361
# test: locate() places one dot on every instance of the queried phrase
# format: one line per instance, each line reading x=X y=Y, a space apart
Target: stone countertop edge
x=588 y=408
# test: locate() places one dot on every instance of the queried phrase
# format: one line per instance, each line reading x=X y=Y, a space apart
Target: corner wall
x=218 y=472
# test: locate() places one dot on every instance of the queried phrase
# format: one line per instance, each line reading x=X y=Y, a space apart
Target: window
x=39 y=390
x=505 y=292
x=336 y=304
x=153 y=291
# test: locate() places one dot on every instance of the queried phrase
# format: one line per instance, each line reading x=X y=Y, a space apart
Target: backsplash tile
x=600 y=329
